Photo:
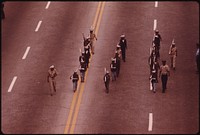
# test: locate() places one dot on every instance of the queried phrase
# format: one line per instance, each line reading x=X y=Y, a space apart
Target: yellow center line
x=96 y=16
x=99 y=20
x=71 y=110
x=76 y=101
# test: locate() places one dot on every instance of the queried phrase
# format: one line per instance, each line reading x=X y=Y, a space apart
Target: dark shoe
x=174 y=68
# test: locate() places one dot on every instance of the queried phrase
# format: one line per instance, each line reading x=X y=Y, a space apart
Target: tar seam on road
x=12 y=84
x=70 y=126
x=26 y=52
x=47 y=6
x=150 y=122
x=38 y=26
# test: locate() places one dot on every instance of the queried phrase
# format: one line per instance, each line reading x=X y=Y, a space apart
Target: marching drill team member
x=164 y=74
x=117 y=63
x=152 y=59
x=123 y=45
x=119 y=51
x=154 y=79
x=82 y=58
x=156 y=42
x=52 y=73
x=75 y=79
x=92 y=38
x=87 y=55
x=82 y=71
x=86 y=40
x=113 y=68
x=106 y=80
x=173 y=55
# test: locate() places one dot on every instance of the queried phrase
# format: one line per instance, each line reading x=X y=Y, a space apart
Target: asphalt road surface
x=35 y=35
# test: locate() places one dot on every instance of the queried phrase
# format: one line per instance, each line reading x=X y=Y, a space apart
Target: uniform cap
x=122 y=35
x=91 y=28
x=156 y=31
x=153 y=71
x=52 y=66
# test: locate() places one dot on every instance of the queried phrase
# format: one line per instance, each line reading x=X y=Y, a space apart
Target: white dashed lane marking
x=12 y=84
x=150 y=122
x=38 y=26
x=154 y=24
x=156 y=3
x=26 y=52
x=47 y=6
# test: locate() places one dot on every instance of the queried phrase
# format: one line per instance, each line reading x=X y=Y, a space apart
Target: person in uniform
x=156 y=67
x=82 y=58
x=118 y=50
x=164 y=73
x=86 y=40
x=154 y=79
x=106 y=80
x=118 y=64
x=113 y=68
x=123 y=45
x=87 y=55
x=75 y=78
x=173 y=55
x=197 y=57
x=82 y=69
x=152 y=59
x=92 y=38
x=2 y=11
x=52 y=73
x=156 y=42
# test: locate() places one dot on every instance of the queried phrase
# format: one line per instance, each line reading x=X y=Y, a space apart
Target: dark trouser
x=197 y=61
x=157 y=49
x=123 y=55
x=164 y=82
x=114 y=75
x=82 y=73
x=75 y=83
x=87 y=62
x=107 y=86
x=153 y=82
x=118 y=68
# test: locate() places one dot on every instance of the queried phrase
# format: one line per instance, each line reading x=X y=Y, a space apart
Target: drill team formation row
x=156 y=70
